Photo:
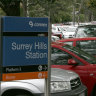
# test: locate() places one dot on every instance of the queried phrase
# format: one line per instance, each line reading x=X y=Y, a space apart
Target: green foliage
x=10 y=7
x=37 y=11
x=82 y=18
x=52 y=1
x=92 y=3
x=58 y=10
x=2 y=13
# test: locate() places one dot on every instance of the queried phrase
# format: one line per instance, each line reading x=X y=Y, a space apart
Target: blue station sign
x=25 y=48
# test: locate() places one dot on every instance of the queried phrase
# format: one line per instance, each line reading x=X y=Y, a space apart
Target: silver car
x=63 y=83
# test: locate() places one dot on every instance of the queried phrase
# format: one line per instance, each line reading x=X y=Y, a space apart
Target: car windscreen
x=84 y=55
x=70 y=29
x=89 y=31
x=87 y=45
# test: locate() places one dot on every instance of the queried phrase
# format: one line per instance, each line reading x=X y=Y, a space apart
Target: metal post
x=48 y=80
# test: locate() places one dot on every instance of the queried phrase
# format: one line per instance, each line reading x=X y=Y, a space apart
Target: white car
x=63 y=83
x=57 y=30
x=69 y=32
x=54 y=38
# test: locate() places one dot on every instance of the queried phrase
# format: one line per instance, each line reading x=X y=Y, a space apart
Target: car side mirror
x=72 y=62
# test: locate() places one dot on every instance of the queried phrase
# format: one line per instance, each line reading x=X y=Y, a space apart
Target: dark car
x=71 y=58
x=85 y=31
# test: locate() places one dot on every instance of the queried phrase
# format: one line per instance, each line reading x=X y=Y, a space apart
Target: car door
x=59 y=59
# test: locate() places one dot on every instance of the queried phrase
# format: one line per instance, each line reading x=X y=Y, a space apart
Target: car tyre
x=17 y=93
x=94 y=92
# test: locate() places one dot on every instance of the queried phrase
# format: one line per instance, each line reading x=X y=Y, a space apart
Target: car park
x=87 y=44
x=63 y=83
x=71 y=58
x=85 y=31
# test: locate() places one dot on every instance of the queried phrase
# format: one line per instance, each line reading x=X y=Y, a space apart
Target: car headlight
x=60 y=86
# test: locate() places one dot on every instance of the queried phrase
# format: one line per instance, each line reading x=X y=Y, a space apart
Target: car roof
x=87 y=25
x=77 y=39
x=58 y=43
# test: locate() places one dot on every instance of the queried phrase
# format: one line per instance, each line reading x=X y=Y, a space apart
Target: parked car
x=58 y=34
x=71 y=58
x=87 y=44
x=85 y=31
x=54 y=38
x=63 y=83
x=57 y=30
x=69 y=32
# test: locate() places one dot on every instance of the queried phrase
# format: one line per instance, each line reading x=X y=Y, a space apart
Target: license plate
x=82 y=94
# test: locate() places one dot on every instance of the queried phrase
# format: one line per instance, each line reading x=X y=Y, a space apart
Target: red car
x=71 y=58
x=87 y=44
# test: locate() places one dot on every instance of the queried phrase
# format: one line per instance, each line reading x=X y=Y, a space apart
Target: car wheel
x=17 y=93
x=94 y=92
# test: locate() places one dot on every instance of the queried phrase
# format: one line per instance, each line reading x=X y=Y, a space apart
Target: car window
x=59 y=57
x=53 y=28
x=69 y=43
x=86 y=32
x=88 y=46
x=61 y=29
x=81 y=33
x=82 y=54
x=70 y=29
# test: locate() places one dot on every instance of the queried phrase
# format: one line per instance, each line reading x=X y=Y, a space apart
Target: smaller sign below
x=26 y=75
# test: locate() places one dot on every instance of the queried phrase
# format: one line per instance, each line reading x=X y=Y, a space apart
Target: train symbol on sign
x=40 y=68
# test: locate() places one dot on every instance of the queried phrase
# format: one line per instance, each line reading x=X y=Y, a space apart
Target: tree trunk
x=24 y=2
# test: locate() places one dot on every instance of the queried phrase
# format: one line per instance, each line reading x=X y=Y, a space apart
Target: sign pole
x=48 y=80
x=0 y=57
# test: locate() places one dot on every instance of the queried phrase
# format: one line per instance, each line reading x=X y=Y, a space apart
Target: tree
x=92 y=3
x=10 y=7
x=90 y=7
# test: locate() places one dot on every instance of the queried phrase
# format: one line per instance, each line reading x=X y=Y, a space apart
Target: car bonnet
x=62 y=75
